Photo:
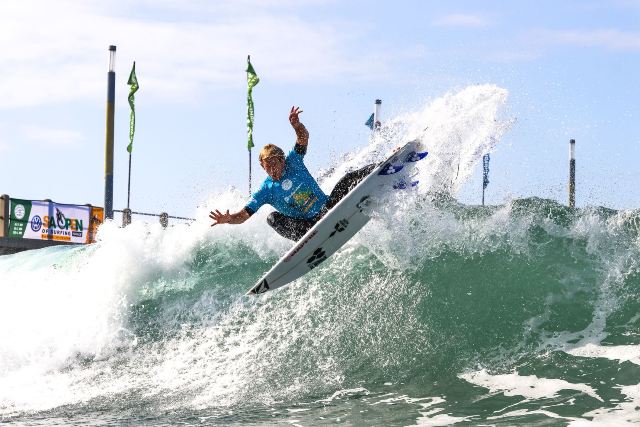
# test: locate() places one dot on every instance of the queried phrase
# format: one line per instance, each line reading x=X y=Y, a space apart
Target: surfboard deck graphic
x=342 y=222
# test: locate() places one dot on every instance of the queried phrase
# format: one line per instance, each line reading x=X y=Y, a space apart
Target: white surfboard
x=343 y=221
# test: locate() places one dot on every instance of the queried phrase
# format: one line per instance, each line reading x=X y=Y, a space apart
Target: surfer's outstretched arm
x=228 y=218
x=302 y=135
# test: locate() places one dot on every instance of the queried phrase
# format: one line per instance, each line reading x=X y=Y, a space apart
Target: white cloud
x=610 y=39
x=53 y=137
x=462 y=20
x=57 y=51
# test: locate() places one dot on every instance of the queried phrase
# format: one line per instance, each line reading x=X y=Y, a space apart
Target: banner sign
x=43 y=220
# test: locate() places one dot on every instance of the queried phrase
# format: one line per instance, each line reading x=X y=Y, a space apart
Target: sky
x=571 y=70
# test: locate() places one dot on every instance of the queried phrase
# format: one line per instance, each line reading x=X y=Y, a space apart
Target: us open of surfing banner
x=43 y=220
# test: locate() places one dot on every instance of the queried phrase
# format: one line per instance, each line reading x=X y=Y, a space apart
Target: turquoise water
x=437 y=312
x=525 y=313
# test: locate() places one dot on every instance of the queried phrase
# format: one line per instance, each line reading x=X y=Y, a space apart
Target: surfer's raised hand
x=302 y=135
x=293 y=116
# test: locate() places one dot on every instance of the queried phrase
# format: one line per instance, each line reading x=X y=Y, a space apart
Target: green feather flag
x=252 y=80
x=133 y=82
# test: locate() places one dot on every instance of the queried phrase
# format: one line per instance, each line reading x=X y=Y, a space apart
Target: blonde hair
x=270 y=150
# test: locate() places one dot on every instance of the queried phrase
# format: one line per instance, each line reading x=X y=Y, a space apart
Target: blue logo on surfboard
x=390 y=169
x=403 y=185
x=414 y=157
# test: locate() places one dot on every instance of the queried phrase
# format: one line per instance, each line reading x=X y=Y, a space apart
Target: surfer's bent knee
x=272 y=219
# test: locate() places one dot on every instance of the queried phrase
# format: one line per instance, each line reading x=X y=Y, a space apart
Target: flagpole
x=108 y=169
x=129 y=183
x=133 y=82
x=252 y=80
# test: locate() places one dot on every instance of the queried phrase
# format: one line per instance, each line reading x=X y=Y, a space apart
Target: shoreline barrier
x=163 y=216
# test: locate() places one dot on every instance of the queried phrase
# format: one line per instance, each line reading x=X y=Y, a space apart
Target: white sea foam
x=532 y=388
x=625 y=413
x=621 y=353
x=528 y=386
x=63 y=303
x=433 y=415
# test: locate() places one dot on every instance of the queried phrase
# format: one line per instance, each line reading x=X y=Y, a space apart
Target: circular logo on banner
x=287 y=184
x=36 y=223
x=19 y=211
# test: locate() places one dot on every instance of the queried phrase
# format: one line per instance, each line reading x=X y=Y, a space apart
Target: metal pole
x=485 y=174
x=51 y=218
x=249 y=173
x=89 y=237
x=129 y=183
x=5 y=214
x=572 y=173
x=164 y=219
x=126 y=217
x=376 y=115
x=108 y=167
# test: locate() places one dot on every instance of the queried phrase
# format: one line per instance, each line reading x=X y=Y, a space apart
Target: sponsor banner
x=49 y=221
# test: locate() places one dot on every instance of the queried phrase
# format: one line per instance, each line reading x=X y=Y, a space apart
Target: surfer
x=291 y=189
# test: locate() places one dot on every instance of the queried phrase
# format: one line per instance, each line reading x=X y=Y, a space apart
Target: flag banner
x=485 y=169
x=42 y=220
x=370 y=122
x=252 y=80
x=133 y=82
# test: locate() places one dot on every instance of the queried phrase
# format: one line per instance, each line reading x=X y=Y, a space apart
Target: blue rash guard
x=296 y=194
